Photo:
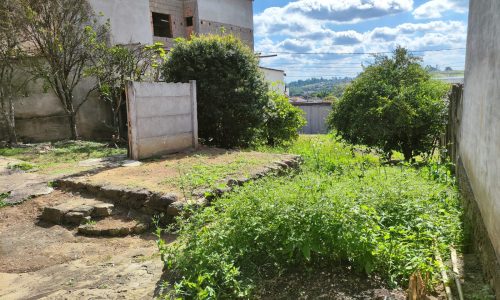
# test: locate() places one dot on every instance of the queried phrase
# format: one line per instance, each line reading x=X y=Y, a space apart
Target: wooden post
x=132 y=121
x=194 y=113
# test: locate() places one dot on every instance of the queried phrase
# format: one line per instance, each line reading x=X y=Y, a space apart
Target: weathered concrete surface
x=129 y=20
x=163 y=118
x=276 y=78
x=39 y=262
x=40 y=116
x=480 y=124
x=478 y=233
x=20 y=185
x=235 y=16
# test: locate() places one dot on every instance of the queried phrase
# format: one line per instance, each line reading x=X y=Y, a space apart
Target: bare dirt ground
x=40 y=262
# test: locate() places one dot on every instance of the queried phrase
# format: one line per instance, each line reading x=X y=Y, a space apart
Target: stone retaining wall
x=153 y=203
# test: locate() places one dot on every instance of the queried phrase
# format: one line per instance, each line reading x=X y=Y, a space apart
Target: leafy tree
x=231 y=91
x=283 y=120
x=394 y=105
x=113 y=66
x=11 y=55
x=59 y=31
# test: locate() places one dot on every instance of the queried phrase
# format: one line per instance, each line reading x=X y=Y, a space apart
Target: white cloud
x=304 y=15
x=310 y=26
x=349 y=10
x=414 y=36
x=434 y=9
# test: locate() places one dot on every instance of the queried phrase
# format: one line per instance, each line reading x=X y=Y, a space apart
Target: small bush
x=283 y=120
x=231 y=91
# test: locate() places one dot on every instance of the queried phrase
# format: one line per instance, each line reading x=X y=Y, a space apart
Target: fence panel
x=162 y=118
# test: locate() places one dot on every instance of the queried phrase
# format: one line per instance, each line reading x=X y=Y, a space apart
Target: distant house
x=276 y=78
x=148 y=21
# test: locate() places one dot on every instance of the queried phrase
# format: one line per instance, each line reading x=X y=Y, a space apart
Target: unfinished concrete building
x=148 y=21
x=40 y=116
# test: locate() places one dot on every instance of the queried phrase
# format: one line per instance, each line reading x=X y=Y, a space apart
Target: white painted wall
x=276 y=78
x=130 y=20
x=162 y=118
x=234 y=12
x=480 y=124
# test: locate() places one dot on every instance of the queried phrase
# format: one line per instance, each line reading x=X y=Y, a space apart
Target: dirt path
x=40 y=262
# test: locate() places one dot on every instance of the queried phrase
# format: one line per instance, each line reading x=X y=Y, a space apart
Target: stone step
x=114 y=226
x=77 y=211
x=169 y=204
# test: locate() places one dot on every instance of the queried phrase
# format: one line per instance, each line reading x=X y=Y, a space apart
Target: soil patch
x=52 y=262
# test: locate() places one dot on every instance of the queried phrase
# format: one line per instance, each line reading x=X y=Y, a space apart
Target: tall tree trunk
x=12 y=123
x=72 y=125
x=12 y=134
x=407 y=152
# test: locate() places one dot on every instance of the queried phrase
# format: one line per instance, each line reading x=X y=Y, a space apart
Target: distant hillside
x=318 y=87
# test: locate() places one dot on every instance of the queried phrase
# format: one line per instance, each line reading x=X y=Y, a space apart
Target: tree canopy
x=393 y=105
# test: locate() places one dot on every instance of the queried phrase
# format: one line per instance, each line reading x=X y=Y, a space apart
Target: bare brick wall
x=174 y=8
x=211 y=27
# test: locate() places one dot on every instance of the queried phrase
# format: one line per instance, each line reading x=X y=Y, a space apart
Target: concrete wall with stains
x=479 y=135
x=276 y=79
x=129 y=20
x=41 y=117
x=235 y=16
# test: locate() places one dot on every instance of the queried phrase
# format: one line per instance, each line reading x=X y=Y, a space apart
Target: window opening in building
x=162 y=25
x=189 y=21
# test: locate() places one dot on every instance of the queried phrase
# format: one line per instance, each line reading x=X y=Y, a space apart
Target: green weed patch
x=23 y=166
x=345 y=207
x=54 y=155
x=3 y=196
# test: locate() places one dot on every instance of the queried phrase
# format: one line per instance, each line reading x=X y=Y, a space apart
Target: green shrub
x=23 y=166
x=344 y=207
x=231 y=91
x=393 y=105
x=283 y=120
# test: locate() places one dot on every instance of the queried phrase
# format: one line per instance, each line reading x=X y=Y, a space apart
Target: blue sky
x=335 y=27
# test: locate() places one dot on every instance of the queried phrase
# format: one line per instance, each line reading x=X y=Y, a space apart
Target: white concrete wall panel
x=234 y=12
x=130 y=20
x=276 y=78
x=480 y=127
x=162 y=118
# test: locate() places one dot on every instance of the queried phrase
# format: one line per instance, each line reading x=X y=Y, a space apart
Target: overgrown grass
x=53 y=155
x=344 y=207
